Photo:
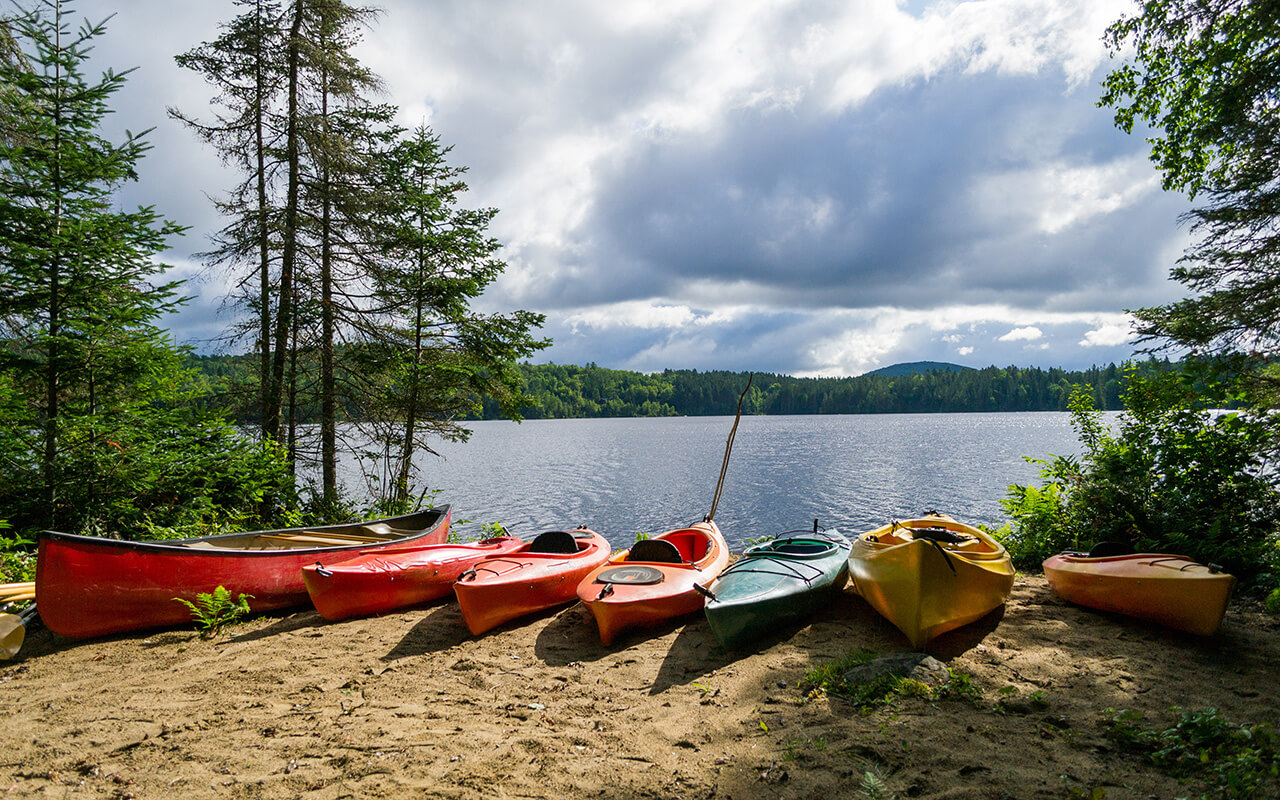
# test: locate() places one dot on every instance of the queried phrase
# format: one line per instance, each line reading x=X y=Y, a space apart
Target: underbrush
x=829 y=679
x=1233 y=762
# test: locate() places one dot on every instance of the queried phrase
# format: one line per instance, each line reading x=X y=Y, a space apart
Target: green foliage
x=873 y=787
x=17 y=560
x=1174 y=477
x=1037 y=530
x=215 y=610
x=1199 y=78
x=1234 y=762
x=151 y=461
x=554 y=391
x=829 y=678
x=101 y=429
x=1272 y=602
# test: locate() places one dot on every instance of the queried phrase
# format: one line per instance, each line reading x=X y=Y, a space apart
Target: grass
x=828 y=678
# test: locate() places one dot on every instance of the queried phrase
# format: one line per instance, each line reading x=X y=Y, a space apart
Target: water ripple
x=625 y=476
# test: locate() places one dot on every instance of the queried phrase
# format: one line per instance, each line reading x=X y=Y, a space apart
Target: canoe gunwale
x=435 y=515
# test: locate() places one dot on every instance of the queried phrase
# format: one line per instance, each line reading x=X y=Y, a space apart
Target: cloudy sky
x=812 y=187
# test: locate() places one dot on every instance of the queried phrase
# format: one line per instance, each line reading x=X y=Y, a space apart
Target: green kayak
x=783 y=579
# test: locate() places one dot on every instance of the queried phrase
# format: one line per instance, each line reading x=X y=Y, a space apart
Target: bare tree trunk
x=289 y=251
x=54 y=366
x=328 y=389
x=264 y=256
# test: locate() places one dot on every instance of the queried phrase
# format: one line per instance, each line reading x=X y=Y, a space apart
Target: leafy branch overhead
x=1203 y=75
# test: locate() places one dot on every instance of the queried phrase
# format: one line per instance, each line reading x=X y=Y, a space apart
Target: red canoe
x=654 y=580
x=383 y=581
x=89 y=586
x=541 y=574
x=1168 y=590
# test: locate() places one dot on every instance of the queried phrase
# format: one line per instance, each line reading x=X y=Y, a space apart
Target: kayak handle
x=471 y=573
x=320 y=570
x=704 y=591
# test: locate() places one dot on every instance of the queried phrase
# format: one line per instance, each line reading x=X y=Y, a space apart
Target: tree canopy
x=1205 y=75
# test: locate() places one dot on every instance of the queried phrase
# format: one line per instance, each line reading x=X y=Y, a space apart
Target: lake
x=624 y=476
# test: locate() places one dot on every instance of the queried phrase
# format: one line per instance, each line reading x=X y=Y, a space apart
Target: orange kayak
x=1168 y=590
x=387 y=580
x=538 y=575
x=654 y=580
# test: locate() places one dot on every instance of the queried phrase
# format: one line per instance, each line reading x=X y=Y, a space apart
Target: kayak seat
x=692 y=545
x=658 y=551
x=1109 y=549
x=554 y=542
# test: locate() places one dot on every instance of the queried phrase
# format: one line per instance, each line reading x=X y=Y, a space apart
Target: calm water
x=623 y=476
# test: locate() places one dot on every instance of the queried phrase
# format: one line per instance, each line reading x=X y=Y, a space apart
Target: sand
x=410 y=705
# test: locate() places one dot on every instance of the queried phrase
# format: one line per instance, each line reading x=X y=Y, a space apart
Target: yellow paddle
x=13 y=630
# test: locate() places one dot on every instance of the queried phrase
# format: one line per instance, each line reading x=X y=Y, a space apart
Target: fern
x=214 y=611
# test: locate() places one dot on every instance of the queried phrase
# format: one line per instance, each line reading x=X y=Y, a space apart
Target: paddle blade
x=13 y=631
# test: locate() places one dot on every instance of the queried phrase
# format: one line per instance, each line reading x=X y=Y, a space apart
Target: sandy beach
x=410 y=705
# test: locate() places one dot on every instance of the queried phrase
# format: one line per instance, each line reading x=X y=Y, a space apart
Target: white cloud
x=1108 y=335
x=964 y=351
x=1054 y=197
x=1028 y=334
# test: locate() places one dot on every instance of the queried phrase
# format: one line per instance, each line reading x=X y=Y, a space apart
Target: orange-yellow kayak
x=930 y=575
x=654 y=580
x=1168 y=590
x=543 y=573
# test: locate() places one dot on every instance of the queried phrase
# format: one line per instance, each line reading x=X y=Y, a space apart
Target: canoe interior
x=323 y=537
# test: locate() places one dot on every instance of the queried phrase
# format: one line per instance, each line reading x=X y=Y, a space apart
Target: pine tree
x=243 y=65
x=437 y=356
x=1203 y=74
x=77 y=297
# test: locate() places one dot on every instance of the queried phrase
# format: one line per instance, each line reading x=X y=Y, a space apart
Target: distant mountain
x=913 y=367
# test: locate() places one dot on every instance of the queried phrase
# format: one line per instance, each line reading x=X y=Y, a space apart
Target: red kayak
x=541 y=574
x=654 y=580
x=384 y=581
x=90 y=586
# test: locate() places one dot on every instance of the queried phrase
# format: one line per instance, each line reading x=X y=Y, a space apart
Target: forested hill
x=912 y=367
x=564 y=391
x=592 y=391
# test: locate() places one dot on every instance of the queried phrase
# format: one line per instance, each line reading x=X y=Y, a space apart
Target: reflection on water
x=624 y=476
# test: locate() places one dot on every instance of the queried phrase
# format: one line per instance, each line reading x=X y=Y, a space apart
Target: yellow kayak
x=930 y=575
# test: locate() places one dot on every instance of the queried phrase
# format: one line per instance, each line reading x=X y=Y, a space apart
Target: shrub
x=1233 y=761
x=1174 y=477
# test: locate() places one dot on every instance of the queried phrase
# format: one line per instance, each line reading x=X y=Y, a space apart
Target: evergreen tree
x=93 y=399
x=1204 y=73
x=438 y=357
x=341 y=134
x=243 y=65
x=76 y=291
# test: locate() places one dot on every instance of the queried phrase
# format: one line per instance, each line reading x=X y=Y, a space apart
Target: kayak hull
x=88 y=586
x=777 y=582
x=1169 y=590
x=618 y=606
x=927 y=588
x=498 y=590
x=382 y=582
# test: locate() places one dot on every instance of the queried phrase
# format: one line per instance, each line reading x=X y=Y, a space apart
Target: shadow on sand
x=440 y=629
